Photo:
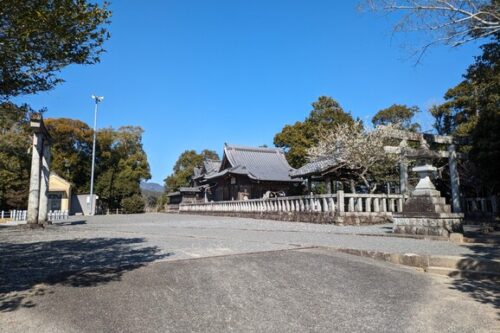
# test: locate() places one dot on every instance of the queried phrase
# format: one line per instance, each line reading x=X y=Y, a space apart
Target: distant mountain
x=152 y=187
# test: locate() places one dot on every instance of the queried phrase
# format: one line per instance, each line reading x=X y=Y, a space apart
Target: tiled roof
x=265 y=164
x=211 y=166
x=237 y=170
x=197 y=172
x=312 y=168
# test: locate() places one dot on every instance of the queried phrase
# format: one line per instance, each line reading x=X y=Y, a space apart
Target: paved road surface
x=128 y=274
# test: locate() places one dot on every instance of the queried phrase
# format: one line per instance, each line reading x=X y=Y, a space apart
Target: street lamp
x=97 y=100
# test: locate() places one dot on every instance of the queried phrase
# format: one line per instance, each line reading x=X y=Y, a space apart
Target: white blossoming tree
x=359 y=150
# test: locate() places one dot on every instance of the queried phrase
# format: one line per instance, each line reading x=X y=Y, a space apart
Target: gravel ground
x=190 y=236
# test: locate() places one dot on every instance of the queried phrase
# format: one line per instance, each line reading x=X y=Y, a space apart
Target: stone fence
x=340 y=208
x=22 y=215
x=480 y=207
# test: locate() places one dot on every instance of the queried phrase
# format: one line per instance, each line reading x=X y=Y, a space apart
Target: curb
x=452 y=266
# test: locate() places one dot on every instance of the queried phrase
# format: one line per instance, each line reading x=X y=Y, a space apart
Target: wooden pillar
x=328 y=183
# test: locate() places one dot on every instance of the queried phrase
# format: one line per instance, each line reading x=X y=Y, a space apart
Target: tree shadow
x=468 y=278
x=70 y=223
x=26 y=268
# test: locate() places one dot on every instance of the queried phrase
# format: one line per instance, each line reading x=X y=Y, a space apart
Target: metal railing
x=325 y=203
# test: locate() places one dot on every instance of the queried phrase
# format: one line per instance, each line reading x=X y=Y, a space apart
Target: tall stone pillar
x=454 y=179
x=44 y=184
x=403 y=177
x=34 y=191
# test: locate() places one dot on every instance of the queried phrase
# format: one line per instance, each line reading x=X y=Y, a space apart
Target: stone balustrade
x=21 y=215
x=339 y=202
x=480 y=206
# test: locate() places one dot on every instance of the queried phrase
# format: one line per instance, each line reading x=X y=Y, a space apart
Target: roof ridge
x=252 y=148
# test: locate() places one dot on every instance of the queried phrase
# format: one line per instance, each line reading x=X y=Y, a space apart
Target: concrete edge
x=455 y=266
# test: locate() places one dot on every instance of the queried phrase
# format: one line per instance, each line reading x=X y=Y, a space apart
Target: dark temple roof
x=258 y=163
x=314 y=168
x=211 y=166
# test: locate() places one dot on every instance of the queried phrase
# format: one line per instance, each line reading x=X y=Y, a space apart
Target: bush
x=133 y=204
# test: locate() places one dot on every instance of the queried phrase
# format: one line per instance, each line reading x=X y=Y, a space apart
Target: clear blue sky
x=195 y=74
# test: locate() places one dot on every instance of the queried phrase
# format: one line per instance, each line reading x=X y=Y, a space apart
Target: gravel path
x=190 y=236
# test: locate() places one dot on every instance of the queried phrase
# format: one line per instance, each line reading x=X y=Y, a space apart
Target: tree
x=121 y=165
x=472 y=108
x=297 y=138
x=183 y=168
x=397 y=114
x=71 y=151
x=449 y=22
x=133 y=204
x=357 y=150
x=40 y=37
x=15 y=143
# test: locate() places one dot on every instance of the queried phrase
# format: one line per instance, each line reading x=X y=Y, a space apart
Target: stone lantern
x=426 y=211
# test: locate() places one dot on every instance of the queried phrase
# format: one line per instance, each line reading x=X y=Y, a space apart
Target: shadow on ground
x=70 y=223
x=485 y=290
x=26 y=268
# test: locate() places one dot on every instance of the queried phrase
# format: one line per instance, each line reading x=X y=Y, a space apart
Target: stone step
x=442 y=208
x=438 y=200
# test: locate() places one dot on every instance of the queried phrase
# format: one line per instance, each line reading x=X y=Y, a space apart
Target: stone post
x=403 y=177
x=44 y=184
x=454 y=179
x=34 y=190
x=340 y=201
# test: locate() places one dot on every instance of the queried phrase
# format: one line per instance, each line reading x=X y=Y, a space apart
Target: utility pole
x=97 y=100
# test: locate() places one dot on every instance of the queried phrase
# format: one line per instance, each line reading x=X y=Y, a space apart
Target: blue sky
x=197 y=73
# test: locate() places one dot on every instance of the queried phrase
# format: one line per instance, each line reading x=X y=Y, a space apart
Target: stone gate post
x=44 y=184
x=34 y=191
x=454 y=179
x=38 y=189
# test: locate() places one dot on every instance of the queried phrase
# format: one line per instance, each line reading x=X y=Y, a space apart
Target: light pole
x=97 y=100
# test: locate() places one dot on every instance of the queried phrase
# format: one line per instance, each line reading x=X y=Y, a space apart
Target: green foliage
x=297 y=138
x=183 y=168
x=40 y=37
x=15 y=141
x=472 y=108
x=121 y=162
x=71 y=151
x=397 y=114
x=133 y=204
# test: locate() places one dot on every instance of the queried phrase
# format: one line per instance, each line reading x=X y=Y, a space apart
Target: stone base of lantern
x=426 y=212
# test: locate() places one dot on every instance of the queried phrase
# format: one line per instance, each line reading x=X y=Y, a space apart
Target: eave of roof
x=314 y=168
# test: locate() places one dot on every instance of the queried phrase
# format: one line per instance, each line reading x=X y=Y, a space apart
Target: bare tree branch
x=448 y=22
